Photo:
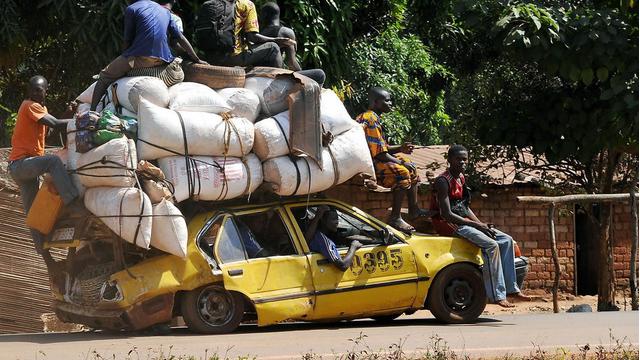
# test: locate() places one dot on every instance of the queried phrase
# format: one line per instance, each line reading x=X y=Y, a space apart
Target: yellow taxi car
x=220 y=282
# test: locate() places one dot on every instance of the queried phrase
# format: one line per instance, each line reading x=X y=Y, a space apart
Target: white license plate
x=63 y=234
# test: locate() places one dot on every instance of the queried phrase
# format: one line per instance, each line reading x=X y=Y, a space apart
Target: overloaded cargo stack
x=156 y=143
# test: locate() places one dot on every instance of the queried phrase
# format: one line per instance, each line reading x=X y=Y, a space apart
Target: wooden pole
x=554 y=253
x=576 y=198
x=633 y=281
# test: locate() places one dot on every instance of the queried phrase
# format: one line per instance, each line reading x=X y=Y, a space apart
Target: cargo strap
x=293 y=160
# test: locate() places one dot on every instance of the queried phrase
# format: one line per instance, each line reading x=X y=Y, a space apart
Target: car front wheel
x=457 y=294
x=212 y=310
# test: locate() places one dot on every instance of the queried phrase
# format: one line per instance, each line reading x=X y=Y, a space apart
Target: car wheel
x=386 y=318
x=212 y=310
x=457 y=294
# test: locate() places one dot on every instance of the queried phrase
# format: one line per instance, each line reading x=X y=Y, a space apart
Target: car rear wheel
x=457 y=294
x=212 y=310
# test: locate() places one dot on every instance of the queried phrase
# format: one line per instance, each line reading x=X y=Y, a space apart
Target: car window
x=207 y=239
x=265 y=234
x=230 y=247
x=349 y=227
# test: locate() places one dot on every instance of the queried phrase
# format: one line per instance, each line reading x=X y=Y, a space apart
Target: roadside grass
x=436 y=349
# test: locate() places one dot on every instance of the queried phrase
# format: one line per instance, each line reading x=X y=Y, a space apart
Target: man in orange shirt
x=27 y=160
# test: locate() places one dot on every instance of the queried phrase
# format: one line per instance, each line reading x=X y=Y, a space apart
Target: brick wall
x=528 y=225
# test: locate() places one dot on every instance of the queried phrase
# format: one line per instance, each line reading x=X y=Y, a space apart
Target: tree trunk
x=606 y=288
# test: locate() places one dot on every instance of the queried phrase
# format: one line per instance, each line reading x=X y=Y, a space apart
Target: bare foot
x=519 y=297
x=504 y=304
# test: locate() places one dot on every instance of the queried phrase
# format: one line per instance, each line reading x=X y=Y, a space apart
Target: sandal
x=504 y=304
x=401 y=225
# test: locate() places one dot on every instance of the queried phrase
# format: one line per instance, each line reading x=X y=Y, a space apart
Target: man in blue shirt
x=326 y=222
x=146 y=28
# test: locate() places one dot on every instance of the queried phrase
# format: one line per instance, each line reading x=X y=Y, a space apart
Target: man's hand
x=72 y=106
x=406 y=148
x=486 y=229
x=321 y=210
x=355 y=244
x=202 y=62
x=285 y=42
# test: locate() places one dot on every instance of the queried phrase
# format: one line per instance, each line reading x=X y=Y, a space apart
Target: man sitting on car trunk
x=317 y=238
x=455 y=218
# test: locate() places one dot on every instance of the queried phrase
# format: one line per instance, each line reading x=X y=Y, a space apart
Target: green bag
x=104 y=136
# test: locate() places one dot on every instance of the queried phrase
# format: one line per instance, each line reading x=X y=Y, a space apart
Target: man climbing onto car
x=455 y=218
x=393 y=170
x=324 y=225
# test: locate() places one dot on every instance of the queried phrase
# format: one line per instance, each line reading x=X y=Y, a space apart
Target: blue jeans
x=499 y=271
x=26 y=173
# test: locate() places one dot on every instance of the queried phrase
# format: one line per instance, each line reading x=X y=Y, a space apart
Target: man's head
x=329 y=221
x=38 y=88
x=270 y=11
x=457 y=156
x=379 y=100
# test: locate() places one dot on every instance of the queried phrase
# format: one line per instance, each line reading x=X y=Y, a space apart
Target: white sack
x=333 y=115
x=351 y=154
x=111 y=203
x=270 y=139
x=118 y=171
x=130 y=89
x=73 y=156
x=82 y=108
x=243 y=102
x=191 y=96
x=208 y=182
x=281 y=172
x=272 y=93
x=87 y=95
x=206 y=133
x=169 y=229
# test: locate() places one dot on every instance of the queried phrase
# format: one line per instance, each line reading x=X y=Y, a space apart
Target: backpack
x=215 y=26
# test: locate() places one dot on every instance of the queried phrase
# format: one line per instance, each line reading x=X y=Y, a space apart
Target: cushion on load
x=126 y=211
x=163 y=132
x=212 y=178
x=191 y=96
x=110 y=164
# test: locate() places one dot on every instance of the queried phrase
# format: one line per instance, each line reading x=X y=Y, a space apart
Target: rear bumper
x=139 y=316
x=522 y=268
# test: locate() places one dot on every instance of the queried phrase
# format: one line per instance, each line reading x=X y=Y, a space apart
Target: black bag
x=215 y=26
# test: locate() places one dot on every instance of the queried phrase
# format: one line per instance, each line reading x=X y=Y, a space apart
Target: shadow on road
x=52 y=338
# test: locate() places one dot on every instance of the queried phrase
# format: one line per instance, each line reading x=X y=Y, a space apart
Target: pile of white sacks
x=232 y=145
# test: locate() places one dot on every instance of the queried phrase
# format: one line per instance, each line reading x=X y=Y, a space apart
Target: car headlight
x=111 y=292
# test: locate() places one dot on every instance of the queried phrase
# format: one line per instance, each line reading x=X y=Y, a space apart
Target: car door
x=381 y=278
x=277 y=278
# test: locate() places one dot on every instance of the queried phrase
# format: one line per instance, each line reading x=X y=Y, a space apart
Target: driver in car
x=318 y=235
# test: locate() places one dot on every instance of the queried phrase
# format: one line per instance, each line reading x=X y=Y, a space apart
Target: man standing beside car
x=455 y=218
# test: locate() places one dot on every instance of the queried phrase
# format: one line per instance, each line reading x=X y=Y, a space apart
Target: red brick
x=537 y=252
x=531 y=229
x=531 y=212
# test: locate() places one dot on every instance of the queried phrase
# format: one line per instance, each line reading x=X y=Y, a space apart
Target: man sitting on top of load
x=146 y=26
x=393 y=170
x=223 y=29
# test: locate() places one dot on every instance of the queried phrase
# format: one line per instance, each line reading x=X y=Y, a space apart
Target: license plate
x=63 y=234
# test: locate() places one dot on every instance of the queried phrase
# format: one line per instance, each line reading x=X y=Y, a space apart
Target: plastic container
x=45 y=209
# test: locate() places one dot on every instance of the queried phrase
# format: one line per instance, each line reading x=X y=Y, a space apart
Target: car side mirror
x=385 y=234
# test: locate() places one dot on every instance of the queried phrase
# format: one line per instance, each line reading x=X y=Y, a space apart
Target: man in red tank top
x=455 y=218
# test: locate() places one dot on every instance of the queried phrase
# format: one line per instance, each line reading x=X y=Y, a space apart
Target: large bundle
x=169 y=230
x=163 y=132
x=126 y=211
x=299 y=176
x=212 y=178
x=191 y=96
x=111 y=164
x=272 y=92
x=347 y=156
x=73 y=157
x=130 y=90
x=244 y=103
x=333 y=115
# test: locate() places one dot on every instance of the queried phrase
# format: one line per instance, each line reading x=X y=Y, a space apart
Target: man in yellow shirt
x=264 y=50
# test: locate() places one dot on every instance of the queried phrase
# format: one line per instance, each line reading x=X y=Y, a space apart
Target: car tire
x=386 y=318
x=457 y=294
x=212 y=310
